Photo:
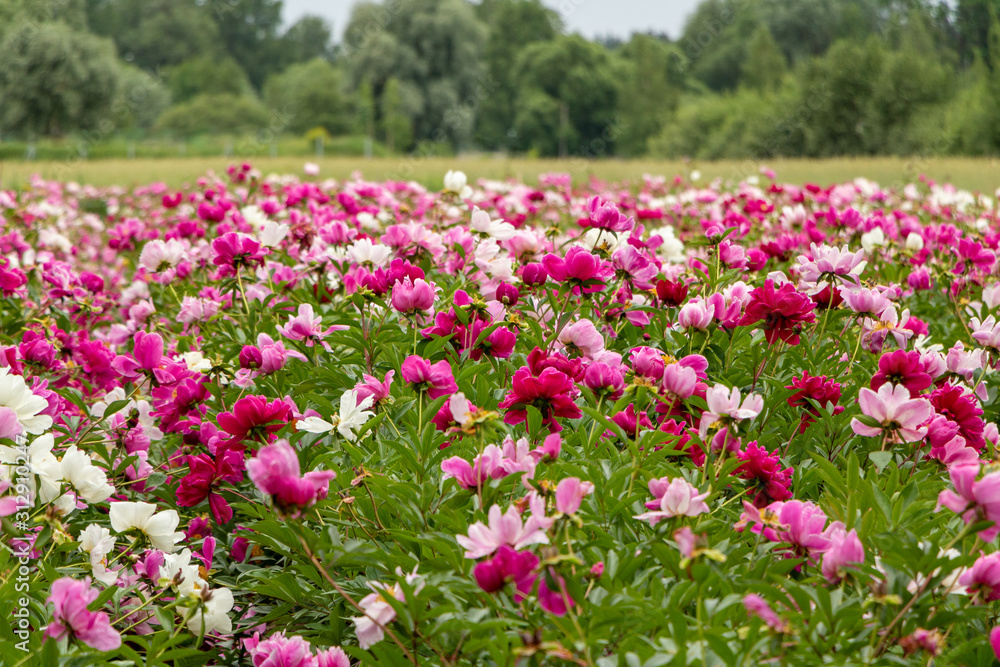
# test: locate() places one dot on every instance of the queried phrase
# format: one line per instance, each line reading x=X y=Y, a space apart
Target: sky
x=592 y=18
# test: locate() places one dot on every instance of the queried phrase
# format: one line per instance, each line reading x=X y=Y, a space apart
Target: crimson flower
x=507 y=565
x=783 y=311
x=435 y=379
x=902 y=367
x=254 y=416
x=551 y=393
x=820 y=389
x=580 y=269
x=234 y=250
x=764 y=470
x=203 y=480
x=960 y=408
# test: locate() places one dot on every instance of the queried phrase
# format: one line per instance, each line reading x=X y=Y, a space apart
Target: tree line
x=746 y=78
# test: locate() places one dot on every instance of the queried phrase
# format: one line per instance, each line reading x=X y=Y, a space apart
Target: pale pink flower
x=974 y=500
x=484 y=467
x=724 y=406
x=502 y=528
x=307 y=326
x=895 y=412
x=696 y=314
x=582 y=336
x=845 y=549
x=677 y=497
x=864 y=301
x=828 y=262
x=570 y=493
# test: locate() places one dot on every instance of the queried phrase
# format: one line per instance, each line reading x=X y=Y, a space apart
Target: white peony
x=160 y=527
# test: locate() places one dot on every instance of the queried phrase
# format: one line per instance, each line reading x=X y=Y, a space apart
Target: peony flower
x=275 y=472
x=160 y=528
x=96 y=541
x=551 y=392
x=974 y=500
x=895 y=413
x=983 y=579
x=411 y=297
x=29 y=407
x=582 y=337
x=784 y=311
x=724 y=407
x=89 y=481
x=769 y=482
x=570 y=493
x=675 y=497
x=307 y=327
x=845 y=549
x=205 y=475
x=434 y=379
x=71 y=618
x=503 y=528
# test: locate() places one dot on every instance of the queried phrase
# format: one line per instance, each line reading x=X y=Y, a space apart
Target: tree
x=568 y=83
x=311 y=95
x=652 y=80
x=307 y=39
x=514 y=24
x=972 y=20
x=765 y=64
x=143 y=98
x=837 y=91
x=216 y=114
x=248 y=31
x=206 y=75
x=152 y=34
x=55 y=80
x=433 y=47
x=396 y=117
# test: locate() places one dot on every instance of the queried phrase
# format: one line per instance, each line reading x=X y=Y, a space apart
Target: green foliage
x=152 y=34
x=433 y=47
x=215 y=113
x=306 y=39
x=54 y=80
x=143 y=98
x=651 y=83
x=311 y=95
x=513 y=25
x=205 y=75
x=765 y=64
x=395 y=117
x=568 y=84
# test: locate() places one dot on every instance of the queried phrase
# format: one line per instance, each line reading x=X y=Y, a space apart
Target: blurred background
x=573 y=79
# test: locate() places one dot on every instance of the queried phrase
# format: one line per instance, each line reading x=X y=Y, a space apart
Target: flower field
x=296 y=422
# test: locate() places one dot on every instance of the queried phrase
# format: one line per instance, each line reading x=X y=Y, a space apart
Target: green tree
x=306 y=39
x=249 y=33
x=433 y=47
x=396 y=117
x=311 y=95
x=55 y=80
x=972 y=21
x=837 y=92
x=652 y=80
x=765 y=64
x=206 y=75
x=216 y=114
x=570 y=84
x=143 y=98
x=155 y=33
x=513 y=25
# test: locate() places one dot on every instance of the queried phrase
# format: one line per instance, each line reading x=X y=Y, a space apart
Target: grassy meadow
x=982 y=175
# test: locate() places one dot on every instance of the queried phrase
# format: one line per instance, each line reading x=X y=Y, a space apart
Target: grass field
x=981 y=175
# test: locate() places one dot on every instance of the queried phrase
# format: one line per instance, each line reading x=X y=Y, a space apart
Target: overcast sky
x=590 y=17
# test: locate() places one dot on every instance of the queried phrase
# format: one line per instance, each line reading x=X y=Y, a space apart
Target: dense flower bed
x=309 y=423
